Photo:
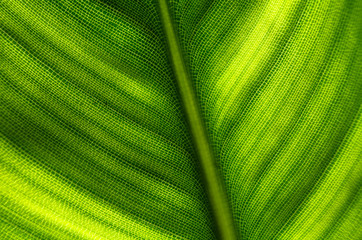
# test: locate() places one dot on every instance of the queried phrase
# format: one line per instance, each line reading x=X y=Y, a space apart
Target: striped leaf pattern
x=96 y=140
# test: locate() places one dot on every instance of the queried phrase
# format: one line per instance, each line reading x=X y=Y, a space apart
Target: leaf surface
x=96 y=141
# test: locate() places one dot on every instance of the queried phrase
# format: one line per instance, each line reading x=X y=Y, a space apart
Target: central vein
x=213 y=182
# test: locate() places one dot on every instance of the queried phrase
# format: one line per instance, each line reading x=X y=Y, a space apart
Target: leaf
x=97 y=142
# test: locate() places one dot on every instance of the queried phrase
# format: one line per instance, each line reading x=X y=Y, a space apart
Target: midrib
x=212 y=179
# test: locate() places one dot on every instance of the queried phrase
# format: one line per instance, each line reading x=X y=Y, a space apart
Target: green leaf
x=145 y=119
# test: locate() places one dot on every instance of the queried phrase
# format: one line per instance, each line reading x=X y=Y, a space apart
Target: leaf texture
x=95 y=144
